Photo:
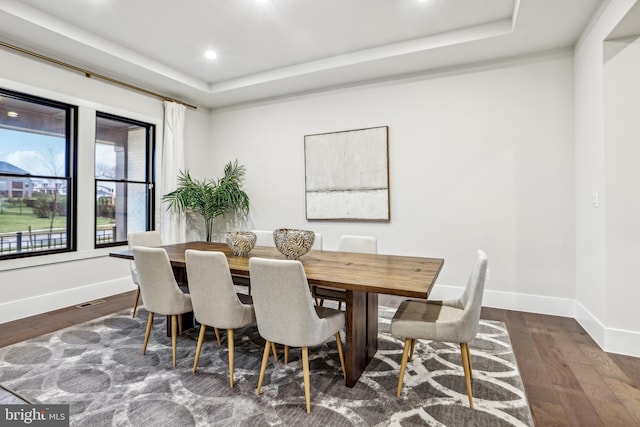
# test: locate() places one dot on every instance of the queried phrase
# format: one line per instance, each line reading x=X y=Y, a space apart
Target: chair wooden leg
x=339 y=305
x=305 y=370
x=464 y=349
x=198 y=347
x=174 y=337
x=263 y=368
x=341 y=354
x=275 y=353
x=230 y=344
x=469 y=360
x=403 y=366
x=217 y=331
x=286 y=354
x=147 y=333
x=135 y=303
x=321 y=302
x=413 y=344
x=179 y=324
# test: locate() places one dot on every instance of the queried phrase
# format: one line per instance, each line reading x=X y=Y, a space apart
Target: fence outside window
x=43 y=240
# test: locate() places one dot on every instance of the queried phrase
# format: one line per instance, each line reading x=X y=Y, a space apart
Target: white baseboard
x=591 y=324
x=19 y=309
x=612 y=340
x=553 y=306
x=564 y=307
x=621 y=341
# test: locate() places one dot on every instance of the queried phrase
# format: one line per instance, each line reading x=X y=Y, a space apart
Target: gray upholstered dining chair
x=348 y=243
x=142 y=238
x=160 y=291
x=449 y=321
x=285 y=313
x=214 y=298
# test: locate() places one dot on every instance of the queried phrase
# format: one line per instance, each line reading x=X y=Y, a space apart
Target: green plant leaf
x=210 y=198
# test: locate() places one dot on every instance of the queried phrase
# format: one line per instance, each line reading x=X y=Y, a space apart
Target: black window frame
x=70 y=173
x=149 y=174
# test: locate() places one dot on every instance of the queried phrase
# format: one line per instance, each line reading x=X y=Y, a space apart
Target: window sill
x=37 y=261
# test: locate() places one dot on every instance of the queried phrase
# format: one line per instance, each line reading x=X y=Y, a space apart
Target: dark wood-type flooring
x=568 y=379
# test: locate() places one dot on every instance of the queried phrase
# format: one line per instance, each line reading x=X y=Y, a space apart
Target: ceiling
x=273 y=48
x=629 y=26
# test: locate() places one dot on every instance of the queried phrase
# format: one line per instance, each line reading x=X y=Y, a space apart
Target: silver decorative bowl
x=240 y=242
x=293 y=243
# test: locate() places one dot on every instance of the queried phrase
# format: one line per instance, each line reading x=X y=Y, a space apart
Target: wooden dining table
x=362 y=276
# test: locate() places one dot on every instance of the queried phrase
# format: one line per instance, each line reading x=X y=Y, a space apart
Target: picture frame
x=347 y=175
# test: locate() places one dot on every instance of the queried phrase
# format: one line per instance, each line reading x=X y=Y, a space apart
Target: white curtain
x=172 y=227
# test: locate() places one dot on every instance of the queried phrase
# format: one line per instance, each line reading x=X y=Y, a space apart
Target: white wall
x=622 y=160
x=479 y=159
x=604 y=289
x=39 y=284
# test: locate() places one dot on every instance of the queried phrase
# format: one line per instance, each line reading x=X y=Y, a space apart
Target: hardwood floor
x=569 y=381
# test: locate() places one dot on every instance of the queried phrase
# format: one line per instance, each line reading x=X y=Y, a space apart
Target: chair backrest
x=214 y=299
x=264 y=237
x=282 y=301
x=362 y=244
x=158 y=286
x=471 y=298
x=142 y=238
x=317 y=242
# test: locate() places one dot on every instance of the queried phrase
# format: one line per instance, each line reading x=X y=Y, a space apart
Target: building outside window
x=124 y=178
x=37 y=183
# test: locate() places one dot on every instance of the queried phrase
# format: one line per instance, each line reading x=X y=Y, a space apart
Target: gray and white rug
x=97 y=367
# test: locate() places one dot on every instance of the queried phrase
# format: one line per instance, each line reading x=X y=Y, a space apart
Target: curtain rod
x=90 y=74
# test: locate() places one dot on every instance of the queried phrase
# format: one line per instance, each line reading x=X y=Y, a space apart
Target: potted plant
x=208 y=198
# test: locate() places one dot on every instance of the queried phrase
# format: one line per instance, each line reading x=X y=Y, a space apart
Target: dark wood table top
x=385 y=274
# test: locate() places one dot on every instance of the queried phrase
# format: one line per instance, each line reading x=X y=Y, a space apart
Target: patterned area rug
x=97 y=367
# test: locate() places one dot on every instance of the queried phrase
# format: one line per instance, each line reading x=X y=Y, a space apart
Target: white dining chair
x=142 y=238
x=453 y=321
x=160 y=291
x=285 y=314
x=264 y=237
x=214 y=299
x=317 y=242
x=347 y=243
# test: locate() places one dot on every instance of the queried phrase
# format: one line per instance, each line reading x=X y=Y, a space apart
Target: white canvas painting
x=347 y=175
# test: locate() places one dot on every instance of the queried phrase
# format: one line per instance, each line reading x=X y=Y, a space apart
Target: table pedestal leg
x=361 y=333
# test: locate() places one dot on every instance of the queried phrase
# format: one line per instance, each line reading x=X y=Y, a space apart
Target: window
x=37 y=167
x=124 y=172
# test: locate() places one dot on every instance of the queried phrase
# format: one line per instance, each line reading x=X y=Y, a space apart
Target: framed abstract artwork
x=347 y=175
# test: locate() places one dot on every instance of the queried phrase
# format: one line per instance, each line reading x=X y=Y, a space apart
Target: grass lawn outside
x=11 y=221
x=38 y=233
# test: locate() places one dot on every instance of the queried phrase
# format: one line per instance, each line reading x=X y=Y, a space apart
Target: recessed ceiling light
x=210 y=54
x=12 y=114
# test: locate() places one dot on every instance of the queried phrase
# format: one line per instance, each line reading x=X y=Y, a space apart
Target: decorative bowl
x=293 y=243
x=240 y=242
